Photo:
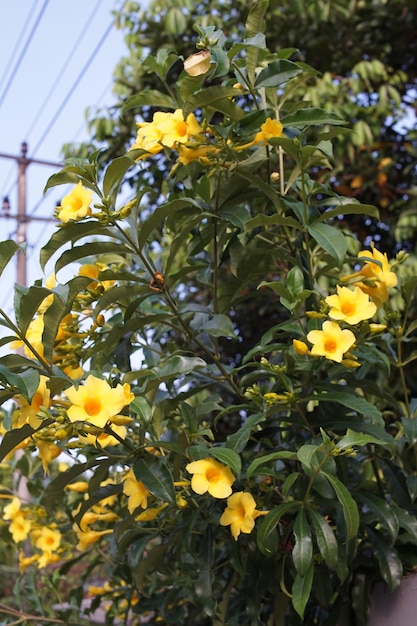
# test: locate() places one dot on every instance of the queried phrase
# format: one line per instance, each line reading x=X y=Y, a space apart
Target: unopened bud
x=198 y=63
x=300 y=347
x=350 y=363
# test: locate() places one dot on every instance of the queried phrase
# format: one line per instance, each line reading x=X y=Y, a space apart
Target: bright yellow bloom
x=377 y=275
x=150 y=514
x=76 y=204
x=48 y=540
x=19 y=527
x=80 y=486
x=41 y=397
x=351 y=306
x=211 y=476
x=47 y=453
x=136 y=492
x=300 y=347
x=26 y=561
x=202 y=153
x=166 y=130
x=92 y=270
x=34 y=336
x=331 y=342
x=96 y=402
x=269 y=129
x=47 y=558
x=240 y=513
x=12 y=509
x=91 y=517
x=91 y=536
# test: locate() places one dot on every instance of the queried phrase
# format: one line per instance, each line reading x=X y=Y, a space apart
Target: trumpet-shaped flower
x=28 y=411
x=351 y=306
x=377 y=275
x=34 y=337
x=90 y=537
x=96 y=402
x=104 y=439
x=12 y=509
x=331 y=342
x=211 y=476
x=166 y=130
x=75 y=205
x=48 y=540
x=136 y=492
x=20 y=527
x=269 y=129
x=240 y=513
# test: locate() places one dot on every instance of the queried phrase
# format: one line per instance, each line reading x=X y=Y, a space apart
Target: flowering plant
x=191 y=465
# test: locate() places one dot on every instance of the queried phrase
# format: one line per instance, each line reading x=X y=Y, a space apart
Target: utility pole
x=21 y=216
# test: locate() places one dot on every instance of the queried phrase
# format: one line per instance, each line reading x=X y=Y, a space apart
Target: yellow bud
x=315 y=315
x=100 y=321
x=274 y=177
x=238 y=86
x=377 y=328
x=350 y=364
x=300 y=347
x=121 y=420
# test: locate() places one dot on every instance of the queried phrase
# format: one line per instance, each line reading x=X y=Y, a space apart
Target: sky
x=56 y=60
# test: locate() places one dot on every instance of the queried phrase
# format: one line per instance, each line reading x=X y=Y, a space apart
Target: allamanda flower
x=75 y=205
x=377 y=275
x=240 y=513
x=211 y=476
x=96 y=402
x=28 y=411
x=331 y=342
x=136 y=492
x=166 y=130
x=20 y=527
x=351 y=306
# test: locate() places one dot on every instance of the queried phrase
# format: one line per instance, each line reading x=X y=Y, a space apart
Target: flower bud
x=300 y=347
x=198 y=63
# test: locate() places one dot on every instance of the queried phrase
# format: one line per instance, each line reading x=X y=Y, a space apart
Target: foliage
x=180 y=469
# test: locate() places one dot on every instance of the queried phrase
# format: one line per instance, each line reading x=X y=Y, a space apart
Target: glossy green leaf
x=389 y=562
x=229 y=457
x=302 y=553
x=262 y=461
x=350 y=208
x=161 y=213
x=268 y=524
x=27 y=301
x=325 y=538
x=150 y=97
x=383 y=511
x=360 y=405
x=178 y=365
x=353 y=439
x=25 y=383
x=217 y=98
x=349 y=509
x=301 y=590
x=330 y=239
x=92 y=248
x=276 y=73
x=115 y=173
x=311 y=117
x=156 y=477
x=7 y=250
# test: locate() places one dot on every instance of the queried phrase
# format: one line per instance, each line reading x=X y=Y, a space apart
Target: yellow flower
x=91 y=517
x=46 y=558
x=269 y=129
x=47 y=453
x=80 y=486
x=19 y=527
x=331 y=342
x=211 y=476
x=377 y=275
x=34 y=336
x=240 y=513
x=12 y=509
x=41 y=397
x=166 y=129
x=96 y=402
x=48 y=540
x=136 y=492
x=150 y=514
x=91 y=536
x=351 y=306
x=76 y=204
x=26 y=561
x=202 y=153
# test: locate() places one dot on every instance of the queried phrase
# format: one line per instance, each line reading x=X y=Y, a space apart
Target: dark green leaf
x=261 y=461
x=325 y=537
x=350 y=511
x=7 y=250
x=276 y=73
x=311 y=117
x=329 y=238
x=301 y=590
x=302 y=553
x=156 y=477
x=229 y=457
x=268 y=524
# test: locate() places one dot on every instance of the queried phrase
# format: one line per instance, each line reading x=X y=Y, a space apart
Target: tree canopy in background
x=365 y=52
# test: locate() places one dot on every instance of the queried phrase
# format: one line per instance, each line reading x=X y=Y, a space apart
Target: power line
x=23 y=52
x=18 y=41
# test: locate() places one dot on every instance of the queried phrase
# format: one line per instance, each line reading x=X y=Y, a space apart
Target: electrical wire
x=23 y=52
x=17 y=44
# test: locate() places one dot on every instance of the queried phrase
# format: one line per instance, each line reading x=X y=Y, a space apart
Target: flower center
x=212 y=475
x=330 y=345
x=92 y=406
x=181 y=129
x=37 y=401
x=348 y=308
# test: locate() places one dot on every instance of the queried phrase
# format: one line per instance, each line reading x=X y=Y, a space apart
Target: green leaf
x=261 y=461
x=238 y=440
x=325 y=537
x=150 y=97
x=276 y=73
x=384 y=513
x=353 y=439
x=27 y=302
x=302 y=553
x=350 y=208
x=92 y=248
x=330 y=239
x=160 y=214
x=13 y=438
x=311 y=117
x=7 y=250
x=156 y=477
x=268 y=524
x=389 y=562
x=114 y=174
x=177 y=365
x=349 y=509
x=216 y=97
x=229 y=457
x=360 y=405
x=301 y=590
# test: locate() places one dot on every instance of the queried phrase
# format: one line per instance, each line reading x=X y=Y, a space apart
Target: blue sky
x=56 y=59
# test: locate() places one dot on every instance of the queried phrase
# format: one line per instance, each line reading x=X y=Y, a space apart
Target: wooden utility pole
x=21 y=216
